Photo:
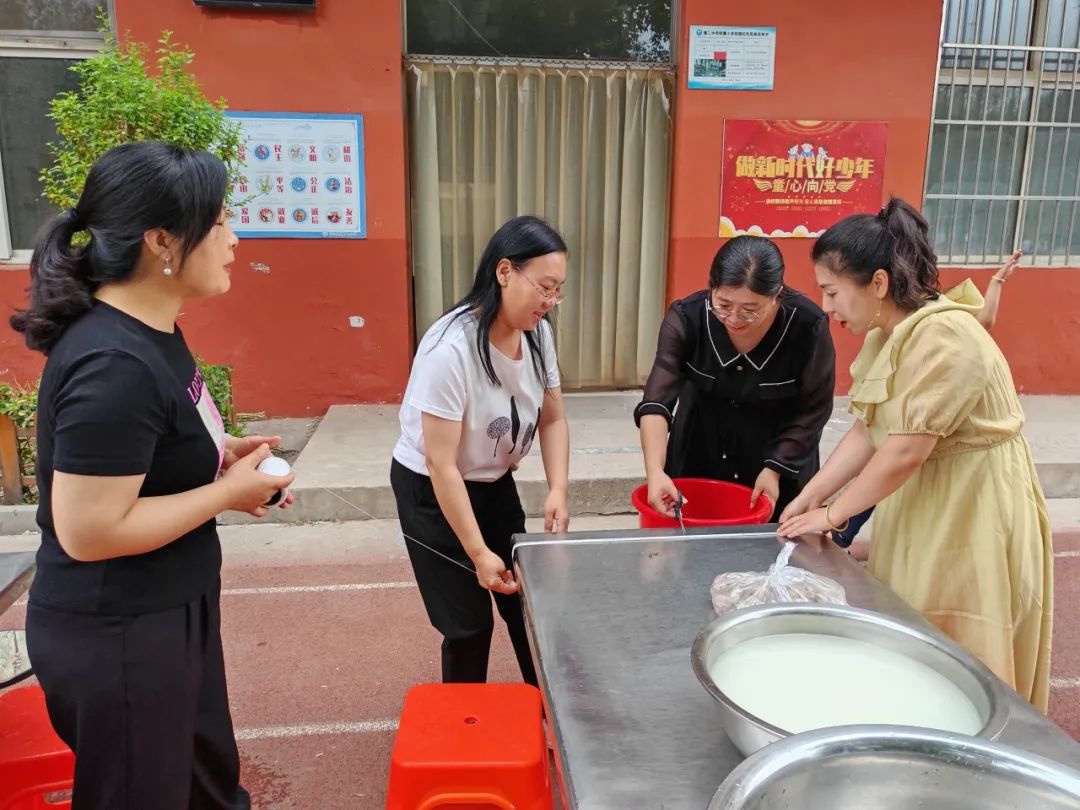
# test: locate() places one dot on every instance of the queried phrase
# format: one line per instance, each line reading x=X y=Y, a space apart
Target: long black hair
x=131 y=189
x=748 y=261
x=518 y=240
x=896 y=240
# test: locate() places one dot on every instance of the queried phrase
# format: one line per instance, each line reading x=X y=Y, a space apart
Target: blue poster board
x=301 y=177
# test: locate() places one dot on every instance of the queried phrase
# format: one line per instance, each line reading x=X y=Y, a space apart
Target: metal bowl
x=889 y=767
x=749 y=733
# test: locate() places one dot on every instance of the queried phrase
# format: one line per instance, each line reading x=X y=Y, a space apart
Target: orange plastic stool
x=34 y=762
x=473 y=746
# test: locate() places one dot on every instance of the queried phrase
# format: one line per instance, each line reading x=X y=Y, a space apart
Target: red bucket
x=708 y=503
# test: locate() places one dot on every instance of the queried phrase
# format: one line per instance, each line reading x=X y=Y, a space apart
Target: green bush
x=20 y=403
x=218 y=380
x=119 y=100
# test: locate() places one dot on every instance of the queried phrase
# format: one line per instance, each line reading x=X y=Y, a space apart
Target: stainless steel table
x=611 y=617
x=16 y=573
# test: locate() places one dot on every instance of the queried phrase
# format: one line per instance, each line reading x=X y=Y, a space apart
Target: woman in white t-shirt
x=484 y=385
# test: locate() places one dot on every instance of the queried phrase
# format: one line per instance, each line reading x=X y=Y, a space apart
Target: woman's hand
x=768 y=483
x=815 y=521
x=663 y=494
x=556 y=512
x=249 y=489
x=492 y=573
x=236 y=447
x=1009 y=267
x=805 y=502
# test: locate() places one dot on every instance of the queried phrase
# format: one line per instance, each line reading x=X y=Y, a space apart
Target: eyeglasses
x=553 y=297
x=728 y=313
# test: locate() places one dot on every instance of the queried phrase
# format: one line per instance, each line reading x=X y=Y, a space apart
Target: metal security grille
x=1003 y=169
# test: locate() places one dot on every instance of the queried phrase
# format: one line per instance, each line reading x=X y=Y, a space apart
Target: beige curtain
x=588 y=149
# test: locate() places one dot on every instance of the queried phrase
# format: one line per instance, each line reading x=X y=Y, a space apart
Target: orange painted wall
x=286 y=332
x=17 y=364
x=851 y=60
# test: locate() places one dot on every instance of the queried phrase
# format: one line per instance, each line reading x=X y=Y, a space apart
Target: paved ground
x=342 y=469
x=324 y=632
x=342 y=460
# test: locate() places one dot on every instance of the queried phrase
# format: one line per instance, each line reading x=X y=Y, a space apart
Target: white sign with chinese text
x=731 y=58
x=302 y=177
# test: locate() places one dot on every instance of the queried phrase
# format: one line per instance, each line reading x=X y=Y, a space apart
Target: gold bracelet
x=998 y=279
x=833 y=526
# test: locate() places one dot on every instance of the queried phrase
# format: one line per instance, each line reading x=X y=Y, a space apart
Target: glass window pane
x=1062 y=30
x=26 y=87
x=963 y=102
x=1051 y=231
x=990 y=22
x=1059 y=106
x=1050 y=226
x=625 y=30
x=978 y=158
x=50 y=15
x=972 y=231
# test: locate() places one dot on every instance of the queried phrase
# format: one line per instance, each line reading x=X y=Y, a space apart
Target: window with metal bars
x=1003 y=170
x=39 y=42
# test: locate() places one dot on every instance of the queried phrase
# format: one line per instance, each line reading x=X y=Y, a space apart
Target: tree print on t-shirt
x=512 y=425
x=515 y=424
x=496 y=430
x=530 y=434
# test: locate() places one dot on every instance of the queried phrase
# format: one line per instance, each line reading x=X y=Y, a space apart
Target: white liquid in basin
x=804 y=681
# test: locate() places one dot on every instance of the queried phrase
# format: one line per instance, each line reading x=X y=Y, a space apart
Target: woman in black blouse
x=742 y=384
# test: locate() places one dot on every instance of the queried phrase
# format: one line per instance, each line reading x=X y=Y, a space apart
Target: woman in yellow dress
x=961 y=531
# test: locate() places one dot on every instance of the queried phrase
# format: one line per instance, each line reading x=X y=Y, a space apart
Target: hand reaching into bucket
x=768 y=484
x=663 y=494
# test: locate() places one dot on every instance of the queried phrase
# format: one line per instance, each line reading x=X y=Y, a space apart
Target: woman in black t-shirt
x=123 y=625
x=742 y=384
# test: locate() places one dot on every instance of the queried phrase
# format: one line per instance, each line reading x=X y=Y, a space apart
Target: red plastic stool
x=34 y=762
x=473 y=746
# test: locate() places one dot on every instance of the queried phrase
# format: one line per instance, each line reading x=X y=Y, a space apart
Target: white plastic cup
x=274 y=465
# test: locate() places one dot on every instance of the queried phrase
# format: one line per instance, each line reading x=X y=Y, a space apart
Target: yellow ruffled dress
x=966 y=540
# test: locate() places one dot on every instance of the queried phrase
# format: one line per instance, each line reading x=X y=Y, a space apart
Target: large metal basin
x=749 y=733
x=895 y=768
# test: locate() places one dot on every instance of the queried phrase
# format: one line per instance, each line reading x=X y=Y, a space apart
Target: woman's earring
x=167 y=270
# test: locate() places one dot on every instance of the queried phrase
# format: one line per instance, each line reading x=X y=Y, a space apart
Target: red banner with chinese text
x=796 y=178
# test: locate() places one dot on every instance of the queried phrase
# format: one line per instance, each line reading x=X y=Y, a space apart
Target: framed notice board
x=302 y=177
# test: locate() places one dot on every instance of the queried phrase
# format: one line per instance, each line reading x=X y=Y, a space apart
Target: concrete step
x=343 y=471
x=343 y=468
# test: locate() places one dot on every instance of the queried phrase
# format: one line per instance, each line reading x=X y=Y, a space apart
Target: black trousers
x=456 y=604
x=142 y=702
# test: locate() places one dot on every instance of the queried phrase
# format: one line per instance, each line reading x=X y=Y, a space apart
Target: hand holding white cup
x=275 y=465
